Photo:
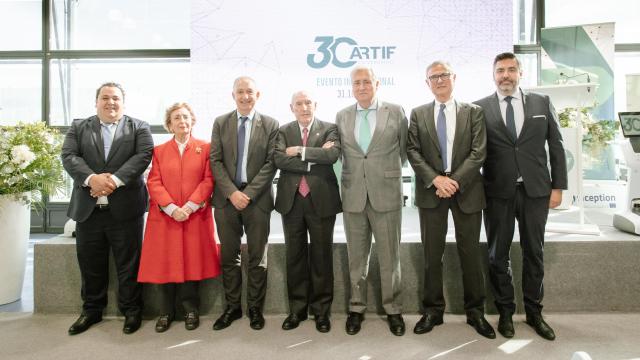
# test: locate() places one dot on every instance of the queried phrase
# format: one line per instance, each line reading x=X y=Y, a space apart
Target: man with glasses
x=519 y=186
x=446 y=148
x=373 y=134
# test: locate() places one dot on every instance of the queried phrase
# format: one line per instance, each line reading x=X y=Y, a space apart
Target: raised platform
x=582 y=273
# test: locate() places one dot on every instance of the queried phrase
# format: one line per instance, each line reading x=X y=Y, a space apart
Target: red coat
x=175 y=251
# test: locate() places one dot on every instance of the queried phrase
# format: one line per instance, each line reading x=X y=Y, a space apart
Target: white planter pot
x=15 y=223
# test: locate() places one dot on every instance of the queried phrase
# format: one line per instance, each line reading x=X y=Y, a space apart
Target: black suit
x=527 y=200
x=309 y=268
x=119 y=227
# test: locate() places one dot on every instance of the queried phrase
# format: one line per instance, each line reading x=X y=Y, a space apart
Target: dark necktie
x=241 y=139
x=441 y=128
x=304 y=186
x=107 y=139
x=511 y=121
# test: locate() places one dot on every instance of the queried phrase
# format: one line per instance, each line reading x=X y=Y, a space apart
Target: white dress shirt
x=450 y=114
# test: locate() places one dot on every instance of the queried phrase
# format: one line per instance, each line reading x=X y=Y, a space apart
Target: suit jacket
x=527 y=154
x=260 y=167
x=130 y=154
x=325 y=194
x=468 y=153
x=376 y=173
x=175 y=251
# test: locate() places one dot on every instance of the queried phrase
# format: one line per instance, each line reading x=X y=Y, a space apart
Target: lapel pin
x=198 y=150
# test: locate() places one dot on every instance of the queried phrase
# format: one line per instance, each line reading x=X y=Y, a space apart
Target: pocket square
x=539 y=116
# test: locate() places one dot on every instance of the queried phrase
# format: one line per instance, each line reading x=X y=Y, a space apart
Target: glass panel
x=151 y=85
x=120 y=24
x=20 y=91
x=529 y=65
x=627 y=81
x=21 y=25
x=524 y=22
x=578 y=12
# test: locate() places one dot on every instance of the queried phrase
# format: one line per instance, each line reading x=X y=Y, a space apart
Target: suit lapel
x=525 y=98
x=462 y=122
x=232 y=130
x=314 y=134
x=430 y=125
x=382 y=116
x=257 y=136
x=294 y=138
x=96 y=136
x=350 y=127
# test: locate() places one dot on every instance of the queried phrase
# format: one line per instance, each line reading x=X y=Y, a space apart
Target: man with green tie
x=374 y=137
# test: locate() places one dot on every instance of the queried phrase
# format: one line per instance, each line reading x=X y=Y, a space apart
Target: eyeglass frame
x=444 y=77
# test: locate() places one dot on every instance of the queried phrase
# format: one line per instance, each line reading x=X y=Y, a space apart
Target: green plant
x=30 y=161
x=595 y=133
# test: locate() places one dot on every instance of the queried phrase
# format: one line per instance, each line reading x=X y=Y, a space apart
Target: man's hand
x=328 y=145
x=292 y=150
x=179 y=215
x=445 y=186
x=555 y=199
x=101 y=185
x=239 y=200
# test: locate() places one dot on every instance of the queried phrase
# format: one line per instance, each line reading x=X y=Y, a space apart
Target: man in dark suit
x=518 y=186
x=241 y=156
x=308 y=199
x=446 y=148
x=106 y=155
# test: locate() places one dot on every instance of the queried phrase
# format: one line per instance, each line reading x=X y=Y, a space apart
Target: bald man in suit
x=242 y=143
x=308 y=199
x=373 y=136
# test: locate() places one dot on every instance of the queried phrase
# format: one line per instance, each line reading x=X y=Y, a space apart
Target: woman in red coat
x=179 y=248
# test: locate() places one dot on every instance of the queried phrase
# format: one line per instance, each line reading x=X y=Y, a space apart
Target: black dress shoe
x=354 y=322
x=396 y=324
x=427 y=323
x=540 y=326
x=323 y=324
x=191 y=320
x=256 y=320
x=84 y=322
x=227 y=317
x=131 y=323
x=505 y=326
x=481 y=325
x=163 y=323
x=292 y=321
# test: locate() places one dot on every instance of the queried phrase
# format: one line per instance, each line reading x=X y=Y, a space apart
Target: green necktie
x=364 y=137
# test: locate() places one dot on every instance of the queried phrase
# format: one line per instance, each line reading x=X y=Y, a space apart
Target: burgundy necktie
x=304 y=187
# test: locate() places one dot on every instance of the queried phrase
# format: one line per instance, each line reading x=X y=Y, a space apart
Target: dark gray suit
x=120 y=226
x=528 y=202
x=309 y=268
x=469 y=149
x=254 y=219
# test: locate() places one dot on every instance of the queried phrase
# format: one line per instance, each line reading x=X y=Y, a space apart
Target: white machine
x=629 y=219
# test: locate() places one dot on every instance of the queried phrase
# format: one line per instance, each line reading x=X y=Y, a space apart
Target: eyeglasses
x=443 y=77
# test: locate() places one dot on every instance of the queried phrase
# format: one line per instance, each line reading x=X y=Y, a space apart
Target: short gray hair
x=443 y=63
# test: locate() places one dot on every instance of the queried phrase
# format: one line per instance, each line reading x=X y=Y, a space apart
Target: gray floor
x=24 y=335
x=602 y=336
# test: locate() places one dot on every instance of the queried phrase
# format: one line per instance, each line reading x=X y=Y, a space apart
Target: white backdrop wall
x=290 y=45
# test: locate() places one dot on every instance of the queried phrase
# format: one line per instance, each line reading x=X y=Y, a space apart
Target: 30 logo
x=333 y=50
